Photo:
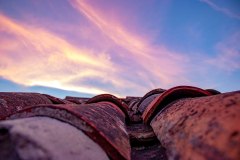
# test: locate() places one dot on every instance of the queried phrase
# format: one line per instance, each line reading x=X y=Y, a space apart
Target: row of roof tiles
x=178 y=123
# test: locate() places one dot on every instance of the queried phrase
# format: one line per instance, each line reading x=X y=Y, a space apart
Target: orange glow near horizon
x=45 y=57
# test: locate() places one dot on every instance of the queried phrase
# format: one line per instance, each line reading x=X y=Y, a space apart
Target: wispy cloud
x=159 y=63
x=34 y=56
x=105 y=55
x=228 y=56
x=222 y=9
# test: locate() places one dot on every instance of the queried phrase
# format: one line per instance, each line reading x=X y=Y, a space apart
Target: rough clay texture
x=76 y=100
x=201 y=128
x=183 y=127
x=56 y=100
x=11 y=102
x=144 y=143
x=45 y=138
x=157 y=91
x=143 y=105
x=103 y=122
x=168 y=97
x=111 y=99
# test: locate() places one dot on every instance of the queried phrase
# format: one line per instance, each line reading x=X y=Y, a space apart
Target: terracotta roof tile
x=203 y=128
x=112 y=99
x=103 y=122
x=76 y=100
x=56 y=100
x=169 y=96
x=179 y=123
x=46 y=138
x=11 y=102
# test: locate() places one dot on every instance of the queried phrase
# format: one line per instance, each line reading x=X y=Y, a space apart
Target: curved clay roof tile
x=203 y=128
x=11 y=102
x=102 y=122
x=112 y=99
x=169 y=96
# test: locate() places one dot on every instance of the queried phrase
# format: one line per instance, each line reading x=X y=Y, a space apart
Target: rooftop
x=183 y=122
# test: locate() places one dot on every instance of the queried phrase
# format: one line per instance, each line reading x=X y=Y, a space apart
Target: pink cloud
x=126 y=60
x=156 y=61
x=35 y=56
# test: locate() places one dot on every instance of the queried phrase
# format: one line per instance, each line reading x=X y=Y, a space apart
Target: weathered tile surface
x=201 y=128
x=183 y=122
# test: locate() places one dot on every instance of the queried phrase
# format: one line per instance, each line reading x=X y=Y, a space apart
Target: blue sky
x=89 y=47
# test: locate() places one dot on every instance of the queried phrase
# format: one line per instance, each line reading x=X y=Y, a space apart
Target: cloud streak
x=128 y=63
x=162 y=65
x=228 y=56
x=222 y=9
x=97 y=53
x=35 y=56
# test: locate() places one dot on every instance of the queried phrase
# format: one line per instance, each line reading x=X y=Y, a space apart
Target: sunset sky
x=121 y=47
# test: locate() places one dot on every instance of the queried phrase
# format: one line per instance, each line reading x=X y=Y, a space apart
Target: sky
x=121 y=47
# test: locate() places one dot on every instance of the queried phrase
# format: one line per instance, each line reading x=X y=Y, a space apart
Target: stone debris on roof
x=183 y=122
